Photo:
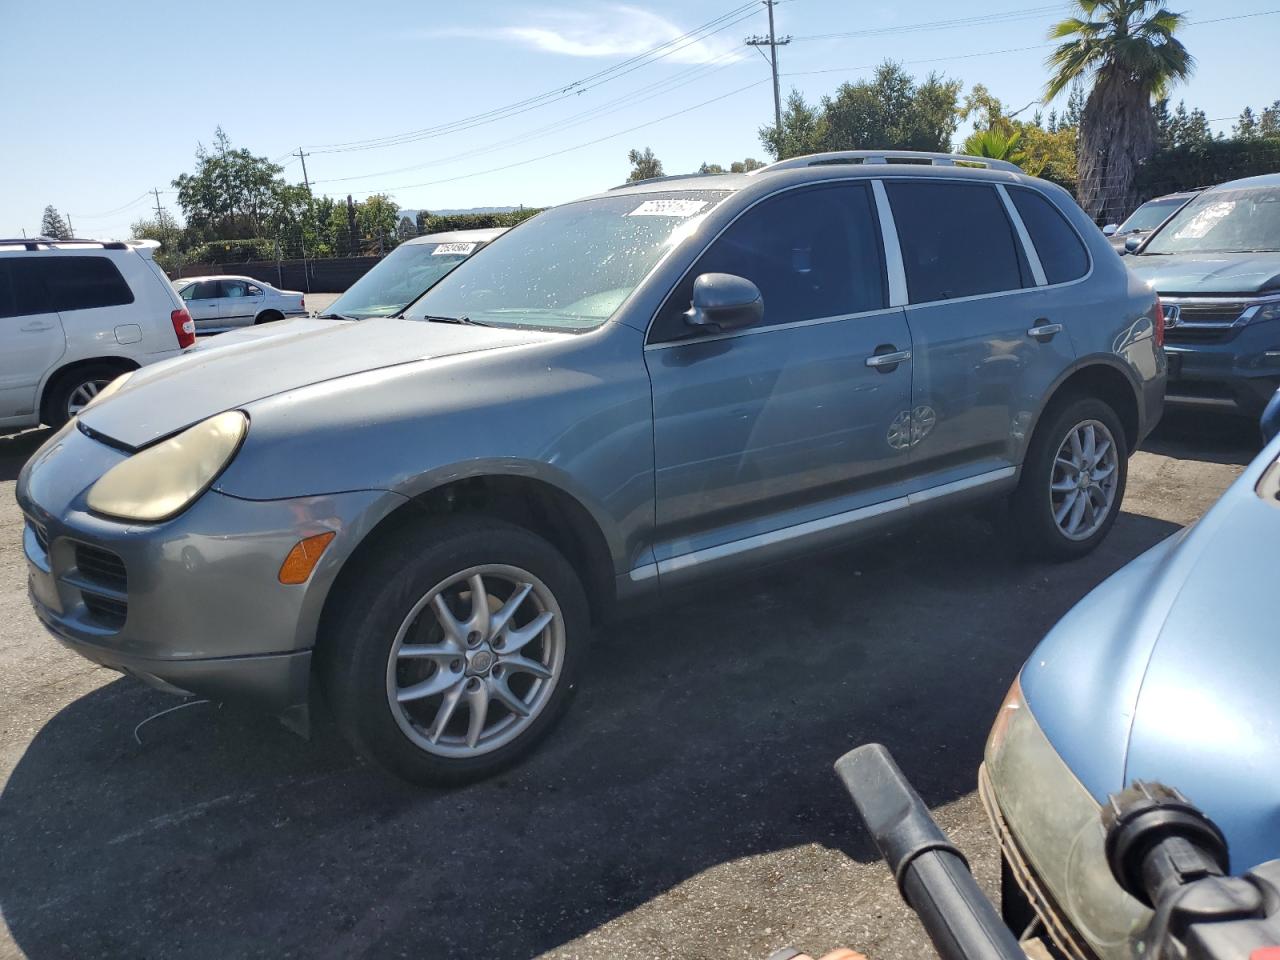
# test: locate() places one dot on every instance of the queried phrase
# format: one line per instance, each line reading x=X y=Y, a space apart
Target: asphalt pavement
x=685 y=808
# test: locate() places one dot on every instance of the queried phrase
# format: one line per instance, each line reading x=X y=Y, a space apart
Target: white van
x=74 y=315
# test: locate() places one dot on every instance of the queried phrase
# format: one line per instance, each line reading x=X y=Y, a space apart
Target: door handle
x=36 y=326
x=1044 y=332
x=881 y=361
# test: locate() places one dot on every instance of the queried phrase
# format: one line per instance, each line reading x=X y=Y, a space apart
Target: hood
x=1208 y=273
x=1167 y=672
x=263 y=331
x=166 y=397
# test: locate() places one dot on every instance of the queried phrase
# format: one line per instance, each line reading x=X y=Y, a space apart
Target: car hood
x=1208 y=273
x=1167 y=672
x=166 y=397
x=263 y=331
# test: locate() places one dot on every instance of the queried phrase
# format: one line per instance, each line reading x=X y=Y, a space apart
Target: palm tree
x=1129 y=49
x=999 y=145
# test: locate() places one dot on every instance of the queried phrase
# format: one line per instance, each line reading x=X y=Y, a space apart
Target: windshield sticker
x=1205 y=220
x=668 y=208
x=455 y=248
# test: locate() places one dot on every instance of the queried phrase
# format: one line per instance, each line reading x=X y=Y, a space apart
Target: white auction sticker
x=668 y=208
x=462 y=248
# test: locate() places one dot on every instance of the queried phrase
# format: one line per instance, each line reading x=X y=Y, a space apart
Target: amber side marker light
x=304 y=556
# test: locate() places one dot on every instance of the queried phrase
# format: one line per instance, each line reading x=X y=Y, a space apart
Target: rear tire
x=72 y=391
x=409 y=662
x=1073 y=480
x=268 y=316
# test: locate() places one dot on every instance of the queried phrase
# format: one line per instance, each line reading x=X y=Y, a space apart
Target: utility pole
x=303 y=157
x=311 y=209
x=159 y=210
x=773 y=42
x=71 y=231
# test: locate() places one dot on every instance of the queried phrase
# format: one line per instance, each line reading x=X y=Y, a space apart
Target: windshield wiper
x=337 y=316
x=464 y=321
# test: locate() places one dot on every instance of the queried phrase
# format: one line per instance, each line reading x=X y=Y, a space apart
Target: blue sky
x=114 y=97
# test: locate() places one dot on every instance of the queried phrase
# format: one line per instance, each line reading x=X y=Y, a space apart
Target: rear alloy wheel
x=1073 y=480
x=75 y=391
x=453 y=647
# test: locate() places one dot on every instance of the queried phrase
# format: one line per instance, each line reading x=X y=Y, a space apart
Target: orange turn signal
x=304 y=556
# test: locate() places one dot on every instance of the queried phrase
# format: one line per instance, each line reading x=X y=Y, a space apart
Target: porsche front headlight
x=162 y=481
x=1057 y=825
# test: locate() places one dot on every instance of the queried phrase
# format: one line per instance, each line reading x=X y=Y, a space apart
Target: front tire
x=1073 y=480
x=454 y=649
x=73 y=391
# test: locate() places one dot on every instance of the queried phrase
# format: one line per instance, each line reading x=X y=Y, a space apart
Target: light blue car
x=1166 y=672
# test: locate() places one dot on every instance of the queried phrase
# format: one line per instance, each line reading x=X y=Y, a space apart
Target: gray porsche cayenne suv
x=422 y=517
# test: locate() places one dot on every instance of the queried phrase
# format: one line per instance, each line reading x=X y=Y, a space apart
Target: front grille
x=1210 y=312
x=102 y=567
x=1203 y=321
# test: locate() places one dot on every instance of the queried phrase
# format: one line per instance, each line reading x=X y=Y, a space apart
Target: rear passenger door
x=987 y=344
x=240 y=302
x=31 y=336
x=766 y=428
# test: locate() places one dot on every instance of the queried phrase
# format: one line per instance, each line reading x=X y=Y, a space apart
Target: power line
x=723 y=22
x=975 y=20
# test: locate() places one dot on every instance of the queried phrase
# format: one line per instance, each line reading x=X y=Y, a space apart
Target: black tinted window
x=22 y=288
x=78 y=283
x=813 y=253
x=956 y=240
x=1061 y=252
x=204 y=290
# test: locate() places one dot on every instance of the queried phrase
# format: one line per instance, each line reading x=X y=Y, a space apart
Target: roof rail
x=34 y=243
x=674 y=176
x=888 y=156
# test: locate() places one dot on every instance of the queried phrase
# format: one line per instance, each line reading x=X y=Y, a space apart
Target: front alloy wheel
x=475 y=661
x=1085 y=476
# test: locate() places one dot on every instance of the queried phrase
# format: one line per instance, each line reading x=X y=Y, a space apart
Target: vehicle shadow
x=17 y=448
x=1205 y=436
x=704 y=732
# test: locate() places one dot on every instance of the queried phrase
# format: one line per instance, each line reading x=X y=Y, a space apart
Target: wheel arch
x=532 y=503
x=274 y=313
x=1101 y=377
x=57 y=376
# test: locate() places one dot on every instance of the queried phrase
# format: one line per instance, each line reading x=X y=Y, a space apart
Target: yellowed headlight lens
x=162 y=481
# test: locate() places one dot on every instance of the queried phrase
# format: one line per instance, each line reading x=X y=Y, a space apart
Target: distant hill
x=413 y=214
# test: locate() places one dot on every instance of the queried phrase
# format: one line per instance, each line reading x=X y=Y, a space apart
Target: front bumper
x=1235 y=369
x=194 y=604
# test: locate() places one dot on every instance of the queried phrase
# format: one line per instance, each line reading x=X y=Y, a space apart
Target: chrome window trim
x=892 y=247
x=707 y=246
x=848 y=518
x=753 y=331
x=1020 y=228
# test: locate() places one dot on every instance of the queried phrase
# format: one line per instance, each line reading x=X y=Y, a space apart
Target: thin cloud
x=617 y=31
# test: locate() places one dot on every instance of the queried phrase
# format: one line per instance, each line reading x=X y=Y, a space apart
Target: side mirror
x=1110 y=229
x=1132 y=244
x=1271 y=419
x=722 y=301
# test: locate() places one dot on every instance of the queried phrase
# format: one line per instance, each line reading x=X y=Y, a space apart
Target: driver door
x=202 y=300
x=769 y=428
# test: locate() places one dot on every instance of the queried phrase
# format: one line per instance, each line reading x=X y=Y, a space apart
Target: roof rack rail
x=673 y=176
x=34 y=243
x=888 y=156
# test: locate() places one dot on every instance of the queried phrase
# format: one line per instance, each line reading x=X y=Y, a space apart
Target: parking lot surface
x=685 y=808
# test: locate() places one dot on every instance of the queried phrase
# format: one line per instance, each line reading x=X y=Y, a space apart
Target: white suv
x=74 y=315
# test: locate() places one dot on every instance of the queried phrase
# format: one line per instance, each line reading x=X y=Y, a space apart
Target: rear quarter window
x=956 y=239
x=1061 y=251
x=82 y=283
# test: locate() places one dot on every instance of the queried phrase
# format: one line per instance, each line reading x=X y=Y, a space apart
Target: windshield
x=400 y=278
x=1150 y=215
x=1223 y=221
x=570 y=267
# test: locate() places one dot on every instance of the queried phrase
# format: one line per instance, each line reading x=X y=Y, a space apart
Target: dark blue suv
x=1216 y=266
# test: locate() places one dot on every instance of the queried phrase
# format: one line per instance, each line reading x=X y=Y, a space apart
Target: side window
x=252 y=290
x=80 y=283
x=233 y=288
x=188 y=292
x=205 y=290
x=8 y=303
x=1062 y=253
x=813 y=252
x=956 y=240
x=22 y=288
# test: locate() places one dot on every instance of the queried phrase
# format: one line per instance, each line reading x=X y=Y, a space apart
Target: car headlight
x=162 y=481
x=108 y=390
x=1269 y=310
x=1057 y=825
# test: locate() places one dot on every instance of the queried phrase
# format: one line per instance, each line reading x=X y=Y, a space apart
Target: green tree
x=1269 y=125
x=891 y=111
x=644 y=165
x=738 y=166
x=1129 y=51
x=377 y=217
x=405 y=230
x=232 y=194
x=804 y=130
x=165 y=230
x=999 y=145
x=53 y=225
x=1246 y=128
